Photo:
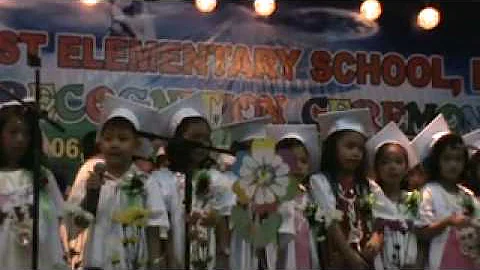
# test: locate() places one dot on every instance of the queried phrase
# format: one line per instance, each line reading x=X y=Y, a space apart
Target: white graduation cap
x=142 y=118
x=306 y=134
x=472 y=140
x=390 y=134
x=170 y=117
x=425 y=140
x=247 y=130
x=358 y=120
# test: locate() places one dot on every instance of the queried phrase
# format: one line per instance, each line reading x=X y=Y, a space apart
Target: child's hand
x=458 y=220
x=373 y=246
x=95 y=181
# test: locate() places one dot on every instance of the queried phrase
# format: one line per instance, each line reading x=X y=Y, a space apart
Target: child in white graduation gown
x=472 y=140
x=394 y=210
x=187 y=119
x=298 y=145
x=16 y=197
x=130 y=214
x=447 y=207
x=342 y=190
x=280 y=255
x=243 y=256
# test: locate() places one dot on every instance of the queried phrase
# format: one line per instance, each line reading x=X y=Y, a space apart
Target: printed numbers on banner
x=65 y=147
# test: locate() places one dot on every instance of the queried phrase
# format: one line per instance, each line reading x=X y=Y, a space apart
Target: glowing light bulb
x=265 y=7
x=428 y=18
x=371 y=9
x=206 y=6
x=90 y=2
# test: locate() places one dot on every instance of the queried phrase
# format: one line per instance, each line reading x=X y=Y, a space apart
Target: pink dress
x=302 y=239
x=454 y=258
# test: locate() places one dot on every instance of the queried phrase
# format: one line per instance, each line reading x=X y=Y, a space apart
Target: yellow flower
x=115 y=258
x=121 y=217
x=241 y=194
x=136 y=216
x=129 y=240
x=209 y=220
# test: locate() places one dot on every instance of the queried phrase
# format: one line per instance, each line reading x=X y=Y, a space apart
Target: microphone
x=99 y=169
x=90 y=201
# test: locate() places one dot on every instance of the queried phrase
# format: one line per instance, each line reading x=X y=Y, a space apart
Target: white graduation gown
x=323 y=195
x=438 y=204
x=386 y=209
x=16 y=190
x=288 y=230
x=104 y=243
x=172 y=186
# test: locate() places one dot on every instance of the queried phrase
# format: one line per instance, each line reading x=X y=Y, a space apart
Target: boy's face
x=118 y=142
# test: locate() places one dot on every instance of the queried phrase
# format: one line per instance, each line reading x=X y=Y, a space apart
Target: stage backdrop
x=302 y=61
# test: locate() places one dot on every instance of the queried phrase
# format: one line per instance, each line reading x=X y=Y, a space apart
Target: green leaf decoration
x=257 y=234
x=266 y=232
x=292 y=190
x=241 y=221
x=201 y=180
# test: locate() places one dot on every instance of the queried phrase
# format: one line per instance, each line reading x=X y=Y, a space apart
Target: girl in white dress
x=298 y=145
x=342 y=190
x=447 y=207
x=16 y=197
x=187 y=119
x=130 y=215
x=472 y=140
x=394 y=210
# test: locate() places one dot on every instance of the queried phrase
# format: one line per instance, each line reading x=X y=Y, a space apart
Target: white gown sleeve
x=435 y=206
x=54 y=193
x=287 y=211
x=224 y=198
x=426 y=209
x=156 y=205
x=100 y=229
x=52 y=251
x=322 y=194
x=78 y=237
x=286 y=236
x=167 y=184
x=78 y=191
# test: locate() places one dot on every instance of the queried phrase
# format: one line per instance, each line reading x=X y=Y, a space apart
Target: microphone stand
x=34 y=61
x=189 y=143
x=37 y=146
x=188 y=183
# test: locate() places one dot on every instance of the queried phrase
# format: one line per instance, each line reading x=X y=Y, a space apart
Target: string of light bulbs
x=427 y=19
